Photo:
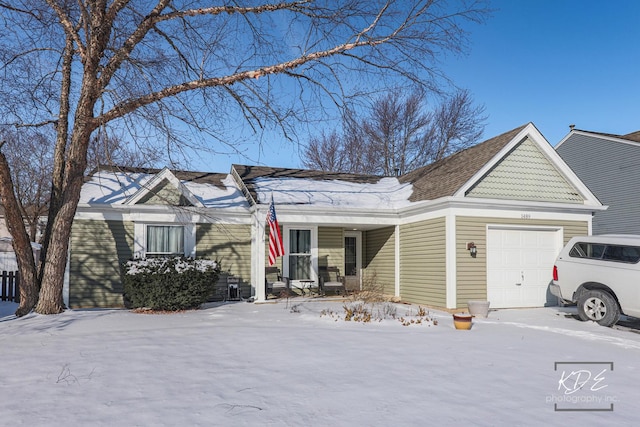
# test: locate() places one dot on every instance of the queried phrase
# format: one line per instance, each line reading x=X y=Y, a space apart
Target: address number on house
x=525 y=216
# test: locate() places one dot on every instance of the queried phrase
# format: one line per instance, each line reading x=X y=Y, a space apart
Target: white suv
x=601 y=274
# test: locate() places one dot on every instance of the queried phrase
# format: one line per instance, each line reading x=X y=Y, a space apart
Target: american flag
x=276 y=248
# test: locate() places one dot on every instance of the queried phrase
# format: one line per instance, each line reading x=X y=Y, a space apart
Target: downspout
x=451 y=289
x=397 y=261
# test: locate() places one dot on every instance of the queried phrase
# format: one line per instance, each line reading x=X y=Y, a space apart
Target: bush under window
x=163 y=283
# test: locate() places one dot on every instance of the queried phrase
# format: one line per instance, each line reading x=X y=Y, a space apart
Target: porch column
x=258 y=254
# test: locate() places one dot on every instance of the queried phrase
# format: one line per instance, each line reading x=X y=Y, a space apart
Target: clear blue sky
x=550 y=62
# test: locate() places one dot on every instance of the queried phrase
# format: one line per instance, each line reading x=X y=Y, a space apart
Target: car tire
x=598 y=306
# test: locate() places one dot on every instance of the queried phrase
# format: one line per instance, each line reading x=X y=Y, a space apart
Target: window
x=165 y=240
x=587 y=250
x=619 y=253
x=350 y=256
x=299 y=254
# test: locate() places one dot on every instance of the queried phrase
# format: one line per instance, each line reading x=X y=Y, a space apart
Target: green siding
x=165 y=193
x=422 y=262
x=331 y=247
x=280 y=259
x=526 y=174
x=230 y=245
x=471 y=273
x=379 y=258
x=98 y=248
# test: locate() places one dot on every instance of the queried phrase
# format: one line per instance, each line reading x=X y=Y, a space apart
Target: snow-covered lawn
x=239 y=364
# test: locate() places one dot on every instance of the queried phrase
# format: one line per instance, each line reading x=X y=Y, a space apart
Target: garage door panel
x=519 y=265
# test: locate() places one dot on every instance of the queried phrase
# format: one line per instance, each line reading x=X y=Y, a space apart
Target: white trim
x=314 y=249
x=258 y=255
x=397 y=261
x=524 y=227
x=610 y=138
x=140 y=237
x=65 y=283
x=450 y=261
x=535 y=136
x=152 y=182
x=190 y=240
x=358 y=237
x=166 y=215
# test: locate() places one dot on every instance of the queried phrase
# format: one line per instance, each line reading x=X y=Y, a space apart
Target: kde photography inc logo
x=583 y=386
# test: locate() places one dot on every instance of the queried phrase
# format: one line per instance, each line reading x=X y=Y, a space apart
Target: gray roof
x=633 y=136
x=445 y=177
x=212 y=178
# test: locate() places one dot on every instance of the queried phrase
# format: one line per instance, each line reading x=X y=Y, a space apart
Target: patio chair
x=234 y=293
x=331 y=280
x=275 y=283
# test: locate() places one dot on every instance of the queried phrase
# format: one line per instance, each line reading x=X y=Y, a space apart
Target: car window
x=587 y=250
x=617 y=253
x=629 y=254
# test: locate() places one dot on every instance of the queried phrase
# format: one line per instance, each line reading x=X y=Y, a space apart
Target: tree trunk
x=53 y=271
x=55 y=262
x=21 y=242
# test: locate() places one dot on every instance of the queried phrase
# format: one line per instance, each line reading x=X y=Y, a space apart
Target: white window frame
x=314 y=250
x=140 y=238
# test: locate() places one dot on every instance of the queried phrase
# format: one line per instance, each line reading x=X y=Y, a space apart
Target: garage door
x=519 y=265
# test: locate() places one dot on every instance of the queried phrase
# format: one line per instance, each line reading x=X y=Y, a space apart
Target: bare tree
x=106 y=150
x=325 y=153
x=155 y=67
x=457 y=124
x=30 y=154
x=398 y=134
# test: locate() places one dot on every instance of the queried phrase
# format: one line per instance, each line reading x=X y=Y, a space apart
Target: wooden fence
x=10 y=286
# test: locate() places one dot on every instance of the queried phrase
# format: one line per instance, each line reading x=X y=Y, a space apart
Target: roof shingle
x=445 y=177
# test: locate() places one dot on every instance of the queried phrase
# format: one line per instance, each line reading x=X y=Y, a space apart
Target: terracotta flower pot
x=462 y=321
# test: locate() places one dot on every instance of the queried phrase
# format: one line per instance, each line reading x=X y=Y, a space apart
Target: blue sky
x=550 y=62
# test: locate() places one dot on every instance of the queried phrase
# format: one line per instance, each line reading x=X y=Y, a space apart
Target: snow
x=111 y=187
x=388 y=192
x=285 y=364
x=116 y=187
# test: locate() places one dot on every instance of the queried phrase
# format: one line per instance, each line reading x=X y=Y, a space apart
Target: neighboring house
x=485 y=223
x=609 y=166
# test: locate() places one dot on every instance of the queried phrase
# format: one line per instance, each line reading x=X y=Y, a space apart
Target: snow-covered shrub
x=169 y=283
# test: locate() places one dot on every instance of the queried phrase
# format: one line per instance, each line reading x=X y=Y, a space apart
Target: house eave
x=139 y=212
x=496 y=204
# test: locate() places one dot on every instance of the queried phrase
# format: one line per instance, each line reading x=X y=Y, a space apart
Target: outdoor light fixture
x=471 y=247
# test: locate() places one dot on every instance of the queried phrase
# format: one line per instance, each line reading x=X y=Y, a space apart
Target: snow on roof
x=111 y=187
x=386 y=193
x=115 y=187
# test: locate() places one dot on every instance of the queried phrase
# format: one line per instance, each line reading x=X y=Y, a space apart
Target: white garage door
x=520 y=264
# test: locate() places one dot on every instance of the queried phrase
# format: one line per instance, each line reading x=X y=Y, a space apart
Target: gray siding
x=610 y=170
x=471 y=273
x=379 y=258
x=230 y=245
x=526 y=174
x=422 y=262
x=98 y=248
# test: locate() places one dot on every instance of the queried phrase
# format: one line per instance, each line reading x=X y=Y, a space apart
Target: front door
x=353 y=259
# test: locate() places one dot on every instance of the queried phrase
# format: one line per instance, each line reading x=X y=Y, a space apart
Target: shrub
x=372 y=291
x=169 y=283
